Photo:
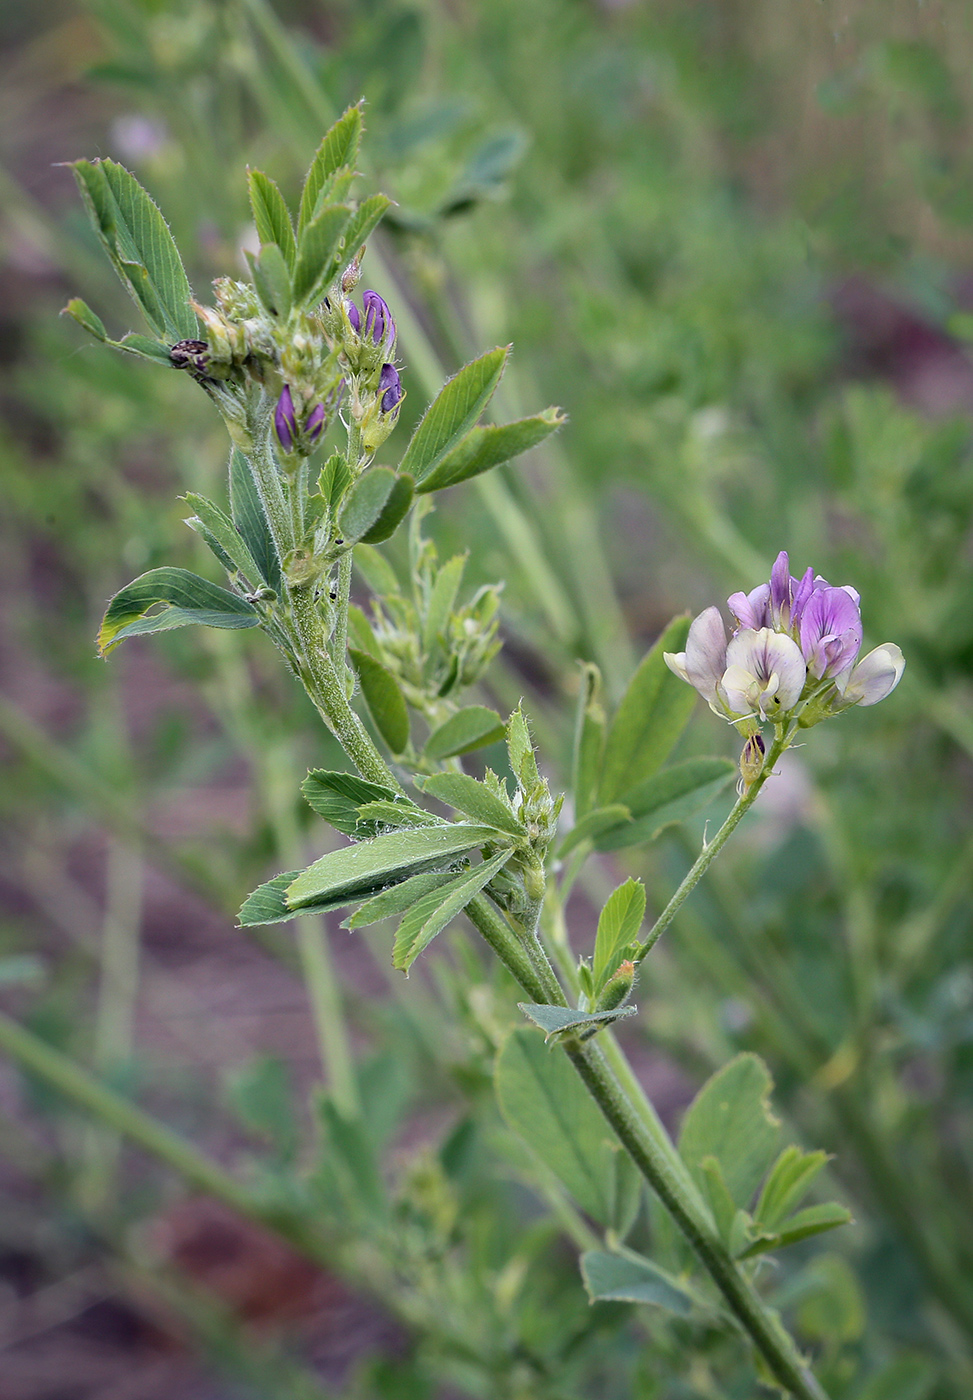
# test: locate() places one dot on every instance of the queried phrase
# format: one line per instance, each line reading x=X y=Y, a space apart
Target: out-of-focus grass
x=702 y=225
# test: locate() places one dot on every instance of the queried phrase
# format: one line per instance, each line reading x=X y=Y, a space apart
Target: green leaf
x=384 y=699
x=813 y=1220
x=555 y=1019
x=721 y=1203
x=593 y=825
x=267 y=904
x=653 y=713
x=589 y=739
x=543 y=1100
x=85 y=317
x=338 y=150
x=362 y=224
x=618 y=925
x=223 y=538
x=360 y=630
x=385 y=861
x=392 y=902
x=271 y=278
x=385 y=814
x=671 y=796
x=628 y=1278
x=475 y=799
x=730 y=1119
x=319 y=254
x=393 y=513
x=337 y=797
x=145 y=348
x=250 y=520
x=452 y=414
x=789 y=1180
x=488 y=447
x=185 y=598
x=433 y=911
x=271 y=215
x=334 y=479
x=142 y=251
x=365 y=502
x=441 y=600
x=351 y=1150
x=471 y=728
x=521 y=750
x=376 y=571
x=906 y=1378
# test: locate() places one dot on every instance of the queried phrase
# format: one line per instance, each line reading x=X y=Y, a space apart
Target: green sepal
x=185 y=598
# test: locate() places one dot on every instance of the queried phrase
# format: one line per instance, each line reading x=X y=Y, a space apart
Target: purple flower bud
x=390 y=387
x=315 y=422
x=378 y=318
x=353 y=316
x=285 y=422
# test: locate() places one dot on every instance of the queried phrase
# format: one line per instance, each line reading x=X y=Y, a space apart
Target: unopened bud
x=390 y=388
x=354 y=316
x=618 y=987
x=751 y=761
x=315 y=422
x=378 y=319
x=285 y=423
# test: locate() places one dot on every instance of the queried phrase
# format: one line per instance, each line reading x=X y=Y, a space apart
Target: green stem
x=326 y=1008
x=768 y=1335
x=712 y=849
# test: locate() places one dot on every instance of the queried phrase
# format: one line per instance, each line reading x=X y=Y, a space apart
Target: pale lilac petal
x=765 y=671
x=875 y=676
x=751 y=610
x=706 y=653
x=831 y=632
x=802 y=593
x=676 y=661
x=780 y=590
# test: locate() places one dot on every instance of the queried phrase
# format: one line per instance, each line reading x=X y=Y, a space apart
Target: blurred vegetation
x=735 y=240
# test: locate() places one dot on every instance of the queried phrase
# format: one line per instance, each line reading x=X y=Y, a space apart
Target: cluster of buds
x=792 y=656
x=367 y=341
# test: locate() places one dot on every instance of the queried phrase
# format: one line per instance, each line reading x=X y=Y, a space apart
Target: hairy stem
x=712 y=849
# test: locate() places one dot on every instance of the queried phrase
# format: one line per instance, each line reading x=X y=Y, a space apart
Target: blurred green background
x=734 y=240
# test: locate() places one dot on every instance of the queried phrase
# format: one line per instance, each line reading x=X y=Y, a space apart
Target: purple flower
x=354 y=316
x=390 y=388
x=315 y=422
x=751 y=609
x=378 y=319
x=830 y=630
x=703 y=662
x=765 y=673
x=285 y=422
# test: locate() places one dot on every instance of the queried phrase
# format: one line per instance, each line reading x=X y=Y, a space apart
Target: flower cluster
x=792 y=656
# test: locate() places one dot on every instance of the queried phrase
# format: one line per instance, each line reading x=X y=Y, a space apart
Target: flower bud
x=378 y=319
x=390 y=388
x=285 y=422
x=751 y=762
x=315 y=422
x=354 y=316
x=618 y=987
